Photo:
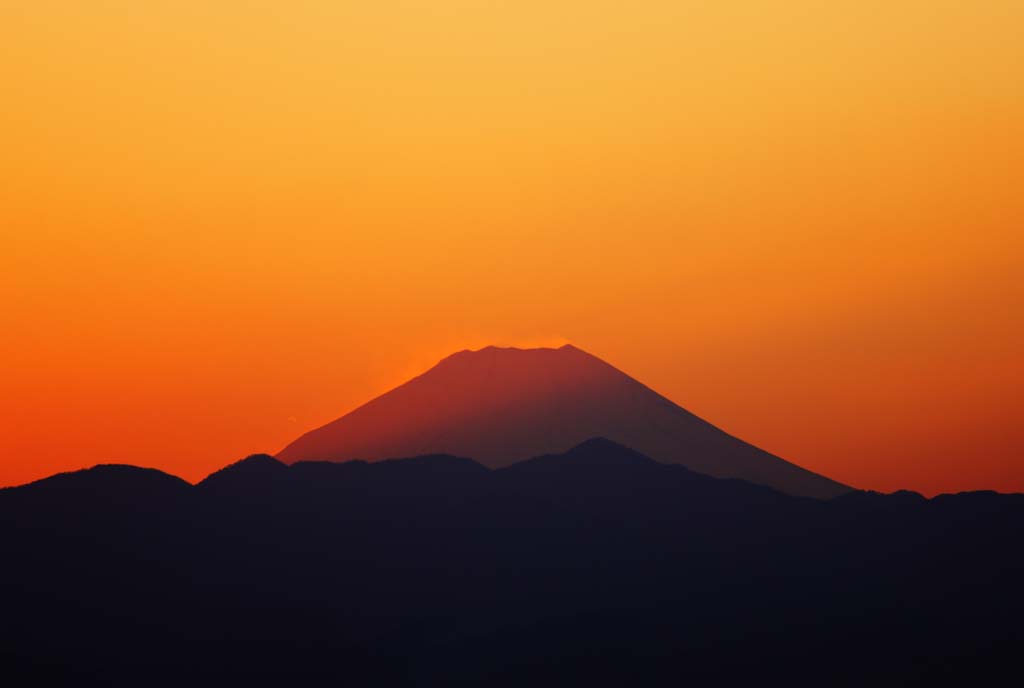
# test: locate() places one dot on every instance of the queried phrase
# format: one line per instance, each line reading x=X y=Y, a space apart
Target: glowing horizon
x=227 y=223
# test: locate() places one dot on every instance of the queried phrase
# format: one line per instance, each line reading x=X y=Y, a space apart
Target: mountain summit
x=502 y=405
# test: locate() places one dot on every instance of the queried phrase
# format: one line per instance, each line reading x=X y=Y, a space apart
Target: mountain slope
x=257 y=468
x=110 y=486
x=500 y=406
x=597 y=566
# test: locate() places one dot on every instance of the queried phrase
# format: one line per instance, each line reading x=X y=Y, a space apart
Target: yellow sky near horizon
x=227 y=222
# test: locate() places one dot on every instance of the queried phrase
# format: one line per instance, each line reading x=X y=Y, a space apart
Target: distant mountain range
x=501 y=406
x=597 y=566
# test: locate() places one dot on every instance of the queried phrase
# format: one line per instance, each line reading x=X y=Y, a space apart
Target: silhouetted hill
x=104 y=485
x=597 y=566
x=597 y=454
x=501 y=406
x=109 y=480
x=600 y=469
x=245 y=475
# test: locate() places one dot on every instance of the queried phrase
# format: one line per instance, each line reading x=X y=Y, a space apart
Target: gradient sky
x=226 y=222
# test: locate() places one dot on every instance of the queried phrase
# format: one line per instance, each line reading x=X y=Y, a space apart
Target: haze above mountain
x=502 y=405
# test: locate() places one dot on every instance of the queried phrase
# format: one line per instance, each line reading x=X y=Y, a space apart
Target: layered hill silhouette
x=503 y=405
x=596 y=566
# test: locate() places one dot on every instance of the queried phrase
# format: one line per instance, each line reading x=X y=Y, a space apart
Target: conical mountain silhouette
x=502 y=405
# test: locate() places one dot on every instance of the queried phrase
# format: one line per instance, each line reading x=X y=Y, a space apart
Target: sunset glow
x=226 y=223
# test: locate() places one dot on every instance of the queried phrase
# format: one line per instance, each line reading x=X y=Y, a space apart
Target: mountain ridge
x=597 y=566
x=500 y=405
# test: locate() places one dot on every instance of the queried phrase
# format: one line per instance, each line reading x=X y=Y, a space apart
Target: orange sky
x=227 y=222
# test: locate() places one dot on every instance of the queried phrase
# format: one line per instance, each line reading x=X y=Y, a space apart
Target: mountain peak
x=495 y=350
x=253 y=468
x=597 y=453
x=500 y=405
x=107 y=484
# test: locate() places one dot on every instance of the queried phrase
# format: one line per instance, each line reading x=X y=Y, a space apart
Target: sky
x=225 y=223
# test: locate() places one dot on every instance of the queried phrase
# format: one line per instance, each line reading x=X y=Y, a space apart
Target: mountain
x=242 y=475
x=108 y=479
x=596 y=566
x=109 y=486
x=503 y=405
x=602 y=469
x=598 y=469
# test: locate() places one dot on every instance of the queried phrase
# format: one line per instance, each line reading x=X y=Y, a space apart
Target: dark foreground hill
x=503 y=405
x=594 y=567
